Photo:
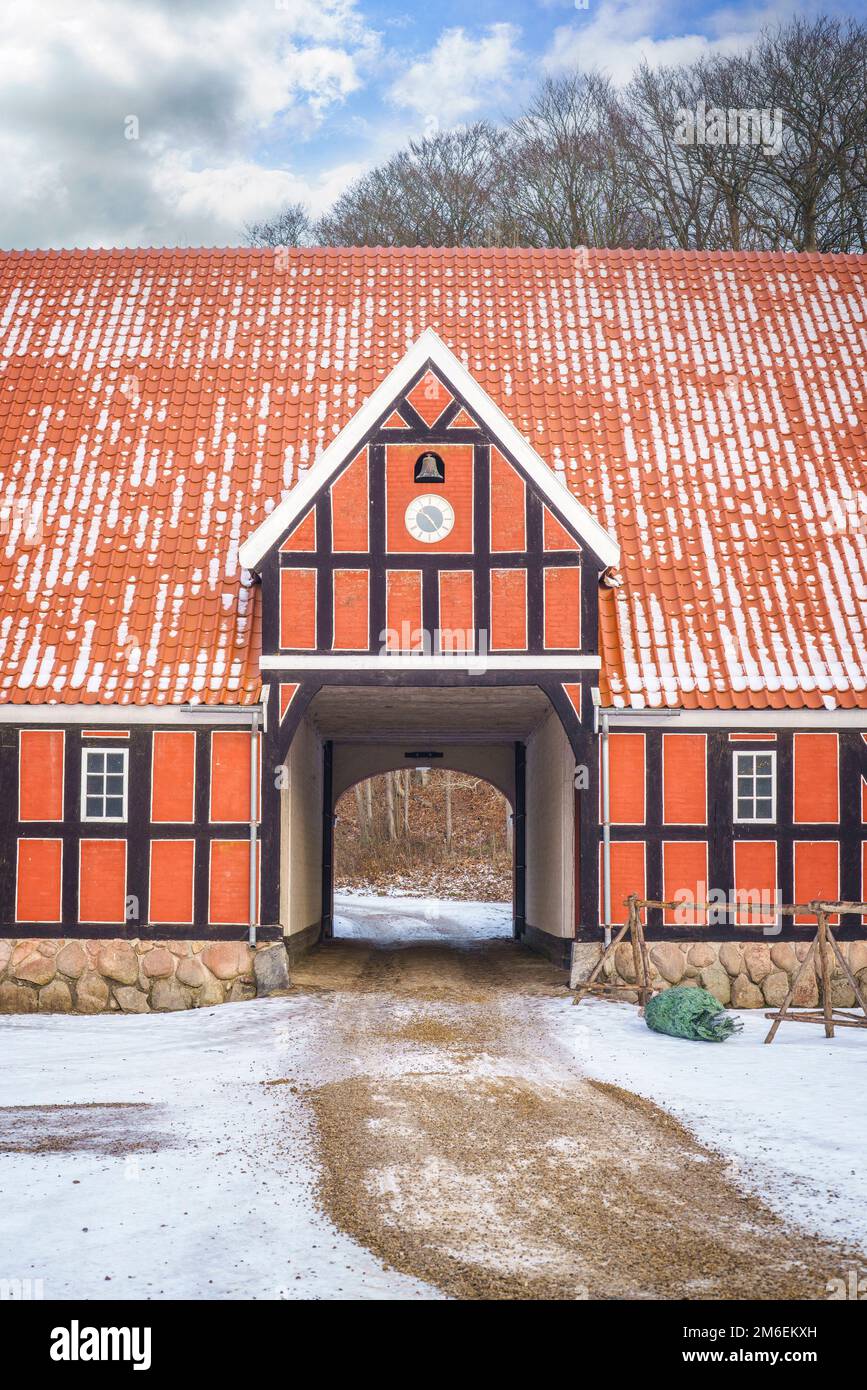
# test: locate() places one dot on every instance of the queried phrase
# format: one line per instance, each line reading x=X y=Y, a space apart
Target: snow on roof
x=708 y=410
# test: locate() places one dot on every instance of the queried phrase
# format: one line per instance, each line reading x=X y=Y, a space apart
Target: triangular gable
x=463 y=421
x=555 y=536
x=395 y=421
x=287 y=695
x=303 y=537
x=428 y=350
x=572 y=691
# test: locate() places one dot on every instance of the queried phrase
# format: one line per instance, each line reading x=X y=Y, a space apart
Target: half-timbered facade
x=275 y=523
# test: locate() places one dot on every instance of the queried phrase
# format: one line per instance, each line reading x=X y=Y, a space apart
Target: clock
x=429 y=518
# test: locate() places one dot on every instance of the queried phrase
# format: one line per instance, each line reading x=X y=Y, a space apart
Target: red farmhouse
x=273 y=522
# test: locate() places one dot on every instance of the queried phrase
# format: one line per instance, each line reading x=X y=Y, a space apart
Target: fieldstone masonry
x=135 y=977
x=751 y=975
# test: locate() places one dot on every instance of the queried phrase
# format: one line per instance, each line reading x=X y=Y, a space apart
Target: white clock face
x=429 y=518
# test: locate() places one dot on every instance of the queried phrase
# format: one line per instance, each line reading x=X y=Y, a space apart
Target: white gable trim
x=428 y=348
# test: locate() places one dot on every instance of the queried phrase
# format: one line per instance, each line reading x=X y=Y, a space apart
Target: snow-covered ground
x=392 y=918
x=791 y=1116
x=208 y=1190
x=224 y=1210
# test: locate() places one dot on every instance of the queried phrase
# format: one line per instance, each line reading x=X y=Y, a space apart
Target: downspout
x=254 y=821
x=606 y=834
x=602 y=723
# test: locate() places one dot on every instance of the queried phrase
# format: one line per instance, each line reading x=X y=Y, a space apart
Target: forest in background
x=432 y=833
x=772 y=157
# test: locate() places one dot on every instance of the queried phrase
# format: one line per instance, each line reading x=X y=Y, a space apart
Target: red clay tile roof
x=708 y=409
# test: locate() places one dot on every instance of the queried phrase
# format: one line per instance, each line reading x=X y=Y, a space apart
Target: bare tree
x=730 y=173
x=389 y=806
x=814 y=71
x=437 y=192
x=289 y=227
x=562 y=183
x=675 y=194
x=586 y=165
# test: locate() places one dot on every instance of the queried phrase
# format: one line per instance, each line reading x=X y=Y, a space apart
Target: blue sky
x=163 y=122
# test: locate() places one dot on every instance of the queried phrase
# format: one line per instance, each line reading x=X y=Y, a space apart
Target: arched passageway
x=507 y=737
x=423 y=852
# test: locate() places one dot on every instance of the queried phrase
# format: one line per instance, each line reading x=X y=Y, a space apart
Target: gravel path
x=462 y=1147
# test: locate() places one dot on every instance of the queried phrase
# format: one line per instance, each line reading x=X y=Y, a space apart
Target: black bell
x=429 y=468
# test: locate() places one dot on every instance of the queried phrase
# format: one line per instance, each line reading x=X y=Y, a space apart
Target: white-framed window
x=104 y=778
x=755 y=787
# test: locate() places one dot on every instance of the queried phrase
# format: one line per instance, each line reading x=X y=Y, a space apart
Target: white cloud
x=460 y=75
x=212 y=83
x=619 y=34
x=231 y=195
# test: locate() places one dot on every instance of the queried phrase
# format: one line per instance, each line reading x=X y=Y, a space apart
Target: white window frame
x=754 y=753
x=104 y=820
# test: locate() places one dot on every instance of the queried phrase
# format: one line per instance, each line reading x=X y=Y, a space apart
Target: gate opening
x=508 y=739
x=423 y=852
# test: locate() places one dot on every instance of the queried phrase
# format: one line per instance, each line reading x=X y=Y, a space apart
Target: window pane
x=763 y=808
x=115 y=762
x=93 y=806
x=763 y=764
x=114 y=785
x=94 y=784
x=95 y=761
x=745 y=786
x=763 y=786
x=745 y=808
x=114 y=806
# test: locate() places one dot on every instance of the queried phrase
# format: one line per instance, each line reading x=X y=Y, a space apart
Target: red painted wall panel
x=40 y=779
x=351 y=610
x=173 y=779
x=627 y=876
x=40 y=866
x=102 y=881
x=755 y=876
x=298 y=608
x=303 y=538
x=817 y=779
x=229 y=882
x=401 y=488
x=403 y=610
x=456 y=620
x=171 y=881
x=508 y=610
x=817 y=875
x=554 y=535
x=626 y=779
x=350 y=507
x=563 y=608
x=429 y=398
x=230 y=775
x=684 y=779
x=684 y=870
x=508 y=505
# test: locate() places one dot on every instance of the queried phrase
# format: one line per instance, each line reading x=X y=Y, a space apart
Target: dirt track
x=463 y=1148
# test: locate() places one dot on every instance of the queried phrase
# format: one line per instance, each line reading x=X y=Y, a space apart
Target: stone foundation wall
x=751 y=975
x=92 y=977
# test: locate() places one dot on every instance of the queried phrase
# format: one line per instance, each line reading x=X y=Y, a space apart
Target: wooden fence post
x=825 y=966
